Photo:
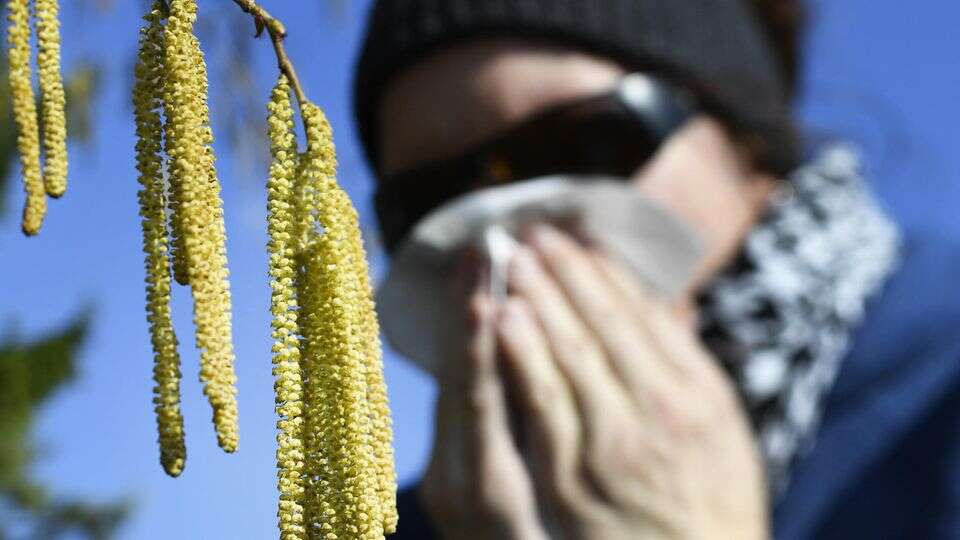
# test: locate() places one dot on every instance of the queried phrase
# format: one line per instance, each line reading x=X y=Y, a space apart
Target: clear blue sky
x=883 y=72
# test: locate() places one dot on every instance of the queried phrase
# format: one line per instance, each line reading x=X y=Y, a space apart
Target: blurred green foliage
x=30 y=373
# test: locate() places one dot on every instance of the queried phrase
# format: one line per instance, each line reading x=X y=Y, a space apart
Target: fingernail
x=523 y=265
x=545 y=236
x=504 y=319
x=508 y=313
x=479 y=308
x=510 y=322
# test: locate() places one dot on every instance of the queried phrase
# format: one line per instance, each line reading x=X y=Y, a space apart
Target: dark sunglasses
x=612 y=134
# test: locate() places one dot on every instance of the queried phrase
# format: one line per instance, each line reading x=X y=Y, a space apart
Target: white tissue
x=417 y=309
x=499 y=248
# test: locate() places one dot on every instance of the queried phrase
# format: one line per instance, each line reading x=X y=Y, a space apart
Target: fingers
x=458 y=381
x=669 y=331
x=485 y=398
x=580 y=357
x=614 y=318
x=477 y=485
x=550 y=412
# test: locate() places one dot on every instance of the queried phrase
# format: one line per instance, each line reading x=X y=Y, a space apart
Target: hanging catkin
x=178 y=252
x=199 y=214
x=382 y=423
x=25 y=114
x=381 y=426
x=335 y=323
x=147 y=96
x=288 y=383
x=324 y=512
x=52 y=97
x=335 y=461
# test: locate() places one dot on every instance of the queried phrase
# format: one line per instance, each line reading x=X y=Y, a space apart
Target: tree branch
x=264 y=21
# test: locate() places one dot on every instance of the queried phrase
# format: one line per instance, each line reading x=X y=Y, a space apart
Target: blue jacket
x=886 y=463
x=887 y=458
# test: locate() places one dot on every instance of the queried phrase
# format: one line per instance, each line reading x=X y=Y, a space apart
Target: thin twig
x=264 y=21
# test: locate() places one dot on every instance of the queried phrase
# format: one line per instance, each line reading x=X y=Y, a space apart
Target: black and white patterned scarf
x=781 y=317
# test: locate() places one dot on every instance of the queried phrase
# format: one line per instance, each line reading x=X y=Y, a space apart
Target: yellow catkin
x=177 y=248
x=25 y=114
x=364 y=438
x=216 y=232
x=288 y=384
x=147 y=95
x=53 y=98
x=378 y=402
x=175 y=184
x=200 y=214
x=377 y=394
x=322 y=414
x=336 y=326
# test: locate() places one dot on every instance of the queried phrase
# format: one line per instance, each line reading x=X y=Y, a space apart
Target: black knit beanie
x=716 y=48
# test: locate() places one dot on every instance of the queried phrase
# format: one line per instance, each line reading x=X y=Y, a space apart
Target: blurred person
x=588 y=406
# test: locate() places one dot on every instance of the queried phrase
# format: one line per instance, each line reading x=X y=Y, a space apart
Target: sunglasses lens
x=600 y=136
x=608 y=141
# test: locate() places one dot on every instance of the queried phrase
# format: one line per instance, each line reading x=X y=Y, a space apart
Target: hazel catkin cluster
x=335 y=459
x=50 y=177
x=336 y=473
x=147 y=98
x=173 y=129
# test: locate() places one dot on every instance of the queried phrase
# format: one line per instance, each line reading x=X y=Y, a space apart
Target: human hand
x=477 y=486
x=629 y=427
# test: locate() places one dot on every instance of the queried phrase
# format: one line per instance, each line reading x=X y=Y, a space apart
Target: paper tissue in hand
x=416 y=306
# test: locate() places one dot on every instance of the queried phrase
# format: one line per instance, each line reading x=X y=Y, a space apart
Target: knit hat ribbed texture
x=717 y=48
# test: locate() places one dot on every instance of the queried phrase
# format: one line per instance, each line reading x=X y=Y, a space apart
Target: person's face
x=468 y=93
